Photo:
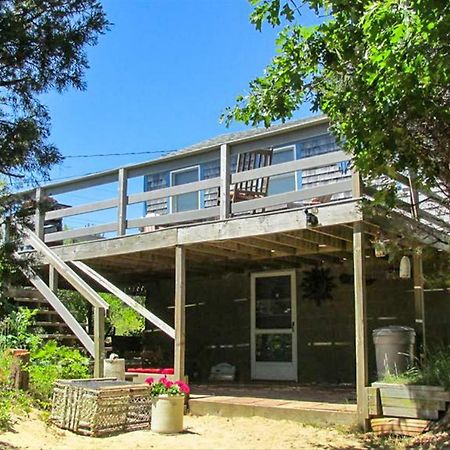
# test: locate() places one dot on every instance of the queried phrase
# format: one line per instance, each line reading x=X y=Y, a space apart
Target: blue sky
x=159 y=80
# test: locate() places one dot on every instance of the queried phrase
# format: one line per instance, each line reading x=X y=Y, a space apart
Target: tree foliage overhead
x=380 y=70
x=42 y=47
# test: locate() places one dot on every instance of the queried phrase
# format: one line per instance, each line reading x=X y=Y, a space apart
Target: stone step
x=299 y=411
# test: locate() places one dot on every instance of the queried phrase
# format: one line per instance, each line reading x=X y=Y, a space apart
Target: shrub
x=53 y=362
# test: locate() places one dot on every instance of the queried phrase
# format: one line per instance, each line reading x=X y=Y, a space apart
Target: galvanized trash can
x=394 y=349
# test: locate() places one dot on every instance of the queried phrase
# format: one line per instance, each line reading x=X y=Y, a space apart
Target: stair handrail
x=125 y=298
x=64 y=269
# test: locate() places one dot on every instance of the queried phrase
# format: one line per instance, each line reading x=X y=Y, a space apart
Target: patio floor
x=323 y=405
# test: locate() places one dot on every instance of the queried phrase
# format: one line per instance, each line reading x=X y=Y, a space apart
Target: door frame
x=292 y=373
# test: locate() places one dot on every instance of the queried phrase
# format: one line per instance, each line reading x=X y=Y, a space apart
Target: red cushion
x=167 y=371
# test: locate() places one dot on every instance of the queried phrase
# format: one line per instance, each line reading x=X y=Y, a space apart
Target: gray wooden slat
x=80 y=232
x=411 y=412
x=174 y=190
x=81 y=209
x=175 y=218
x=88 y=181
x=291 y=166
x=289 y=197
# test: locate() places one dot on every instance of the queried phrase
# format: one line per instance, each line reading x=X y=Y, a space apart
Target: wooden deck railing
x=339 y=187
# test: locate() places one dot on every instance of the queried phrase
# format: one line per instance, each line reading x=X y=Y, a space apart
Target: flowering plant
x=165 y=386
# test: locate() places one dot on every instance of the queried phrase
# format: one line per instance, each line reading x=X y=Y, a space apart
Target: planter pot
x=410 y=401
x=167 y=413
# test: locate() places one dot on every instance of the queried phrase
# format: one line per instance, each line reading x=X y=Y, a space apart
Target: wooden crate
x=396 y=425
x=410 y=401
x=97 y=407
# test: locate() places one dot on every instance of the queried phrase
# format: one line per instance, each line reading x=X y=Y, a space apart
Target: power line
x=99 y=155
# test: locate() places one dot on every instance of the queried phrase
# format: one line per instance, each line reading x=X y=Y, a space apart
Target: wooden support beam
x=275 y=247
x=123 y=200
x=99 y=342
x=225 y=178
x=180 y=316
x=53 y=278
x=39 y=217
x=241 y=247
x=419 y=301
x=359 y=266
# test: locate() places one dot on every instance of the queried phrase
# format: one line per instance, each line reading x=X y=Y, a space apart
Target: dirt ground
x=211 y=432
x=206 y=432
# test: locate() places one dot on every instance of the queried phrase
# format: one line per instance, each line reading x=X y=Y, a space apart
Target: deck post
x=180 y=316
x=39 y=217
x=122 y=204
x=419 y=300
x=99 y=341
x=225 y=177
x=359 y=268
x=53 y=278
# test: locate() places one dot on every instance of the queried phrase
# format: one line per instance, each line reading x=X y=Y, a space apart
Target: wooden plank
x=416 y=403
x=176 y=218
x=373 y=401
x=39 y=216
x=122 y=204
x=359 y=263
x=413 y=391
x=99 y=341
x=291 y=166
x=81 y=209
x=80 y=232
x=180 y=312
x=63 y=312
x=53 y=279
x=72 y=277
x=174 y=190
x=88 y=181
x=411 y=412
x=395 y=425
x=225 y=175
x=126 y=298
x=290 y=197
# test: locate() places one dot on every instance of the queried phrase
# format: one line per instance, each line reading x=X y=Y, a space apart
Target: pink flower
x=184 y=388
x=167 y=383
x=149 y=380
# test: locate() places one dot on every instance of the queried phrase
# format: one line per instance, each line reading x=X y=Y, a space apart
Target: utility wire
x=98 y=155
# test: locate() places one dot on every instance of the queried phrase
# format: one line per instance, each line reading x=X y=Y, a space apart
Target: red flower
x=149 y=380
x=184 y=388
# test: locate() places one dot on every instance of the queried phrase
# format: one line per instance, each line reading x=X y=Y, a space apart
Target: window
x=282 y=183
x=190 y=200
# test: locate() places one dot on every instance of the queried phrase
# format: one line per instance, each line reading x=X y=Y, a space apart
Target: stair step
x=43 y=323
x=58 y=336
x=30 y=300
x=23 y=293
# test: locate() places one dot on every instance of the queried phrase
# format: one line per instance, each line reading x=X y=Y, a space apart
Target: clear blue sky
x=159 y=80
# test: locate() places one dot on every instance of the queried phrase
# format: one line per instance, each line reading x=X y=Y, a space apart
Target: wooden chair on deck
x=251 y=189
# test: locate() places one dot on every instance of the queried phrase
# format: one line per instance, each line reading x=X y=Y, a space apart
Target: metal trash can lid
x=393 y=329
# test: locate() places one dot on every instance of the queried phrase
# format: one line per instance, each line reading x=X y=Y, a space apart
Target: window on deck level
x=279 y=184
x=190 y=200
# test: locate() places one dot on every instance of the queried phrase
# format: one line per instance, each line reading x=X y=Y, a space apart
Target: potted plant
x=167 y=404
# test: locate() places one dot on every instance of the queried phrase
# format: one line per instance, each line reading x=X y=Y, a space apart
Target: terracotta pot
x=167 y=413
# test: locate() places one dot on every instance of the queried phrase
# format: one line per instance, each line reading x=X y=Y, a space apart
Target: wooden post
x=359 y=265
x=39 y=217
x=419 y=301
x=53 y=278
x=99 y=342
x=122 y=205
x=180 y=317
x=362 y=378
x=225 y=176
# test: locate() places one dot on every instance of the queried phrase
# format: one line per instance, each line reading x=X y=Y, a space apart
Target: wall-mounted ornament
x=405 y=268
x=317 y=285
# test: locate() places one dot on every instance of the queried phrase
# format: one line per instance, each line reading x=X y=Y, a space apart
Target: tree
x=42 y=47
x=380 y=70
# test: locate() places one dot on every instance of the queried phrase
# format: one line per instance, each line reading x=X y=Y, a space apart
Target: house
x=283 y=284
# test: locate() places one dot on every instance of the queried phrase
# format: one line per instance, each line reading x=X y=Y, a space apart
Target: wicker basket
x=96 y=407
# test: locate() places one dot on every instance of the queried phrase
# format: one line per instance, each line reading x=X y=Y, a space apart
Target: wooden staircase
x=47 y=319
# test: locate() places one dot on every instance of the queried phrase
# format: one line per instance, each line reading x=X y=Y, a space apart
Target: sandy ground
x=206 y=432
